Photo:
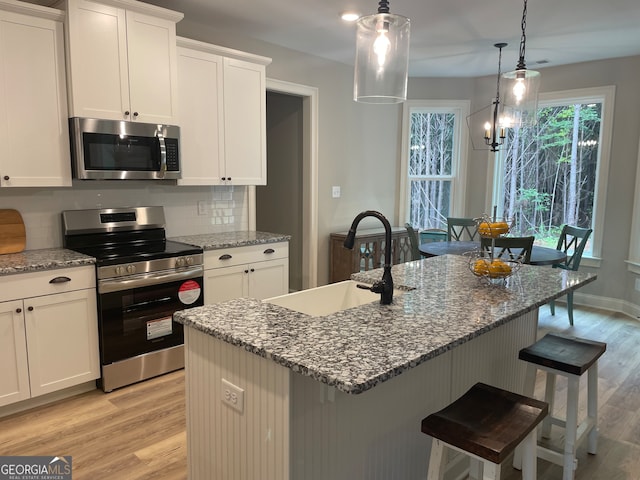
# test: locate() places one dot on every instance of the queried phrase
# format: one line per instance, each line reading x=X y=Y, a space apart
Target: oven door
x=135 y=314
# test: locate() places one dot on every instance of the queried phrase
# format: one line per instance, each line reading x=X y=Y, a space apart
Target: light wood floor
x=138 y=432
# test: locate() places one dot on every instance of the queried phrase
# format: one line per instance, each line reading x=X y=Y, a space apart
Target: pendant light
x=382 y=57
x=494 y=128
x=521 y=86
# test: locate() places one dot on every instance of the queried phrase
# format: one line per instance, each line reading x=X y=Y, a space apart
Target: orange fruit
x=481 y=267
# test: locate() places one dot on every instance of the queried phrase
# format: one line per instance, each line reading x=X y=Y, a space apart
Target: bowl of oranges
x=492 y=270
x=492 y=227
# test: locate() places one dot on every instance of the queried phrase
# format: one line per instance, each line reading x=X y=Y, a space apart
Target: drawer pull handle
x=269 y=250
x=60 y=280
x=226 y=256
x=18 y=310
x=30 y=309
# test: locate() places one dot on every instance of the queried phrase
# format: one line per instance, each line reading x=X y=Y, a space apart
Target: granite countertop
x=356 y=349
x=213 y=241
x=45 y=259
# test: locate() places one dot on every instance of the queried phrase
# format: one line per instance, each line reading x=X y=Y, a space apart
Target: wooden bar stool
x=570 y=357
x=487 y=424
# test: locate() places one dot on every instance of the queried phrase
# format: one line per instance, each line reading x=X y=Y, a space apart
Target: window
x=433 y=178
x=555 y=173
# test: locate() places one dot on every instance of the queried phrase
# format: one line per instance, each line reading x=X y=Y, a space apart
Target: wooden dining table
x=539 y=255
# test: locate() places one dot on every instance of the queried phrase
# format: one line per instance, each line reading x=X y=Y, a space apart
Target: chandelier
x=495 y=124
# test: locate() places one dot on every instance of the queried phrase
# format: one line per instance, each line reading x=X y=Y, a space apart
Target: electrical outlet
x=203 y=208
x=335 y=192
x=232 y=395
x=638 y=284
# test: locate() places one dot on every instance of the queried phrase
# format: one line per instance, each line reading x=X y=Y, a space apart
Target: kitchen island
x=341 y=396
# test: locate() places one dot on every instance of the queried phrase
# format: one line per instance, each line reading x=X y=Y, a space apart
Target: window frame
x=633 y=262
x=461 y=109
x=605 y=95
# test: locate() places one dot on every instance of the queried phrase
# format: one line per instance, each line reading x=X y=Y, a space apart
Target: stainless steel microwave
x=119 y=150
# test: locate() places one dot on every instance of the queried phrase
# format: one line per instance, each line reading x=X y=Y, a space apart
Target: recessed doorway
x=288 y=203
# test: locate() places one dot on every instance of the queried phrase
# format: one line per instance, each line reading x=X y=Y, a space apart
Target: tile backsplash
x=188 y=210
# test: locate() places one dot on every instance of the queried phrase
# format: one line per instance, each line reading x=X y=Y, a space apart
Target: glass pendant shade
x=520 y=101
x=382 y=59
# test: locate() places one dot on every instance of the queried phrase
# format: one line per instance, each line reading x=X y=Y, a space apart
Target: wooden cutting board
x=13 y=236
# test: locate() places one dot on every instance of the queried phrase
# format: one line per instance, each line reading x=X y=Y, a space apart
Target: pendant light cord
x=523 y=40
x=499 y=71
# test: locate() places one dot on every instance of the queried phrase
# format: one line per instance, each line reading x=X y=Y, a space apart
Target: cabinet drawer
x=228 y=257
x=25 y=285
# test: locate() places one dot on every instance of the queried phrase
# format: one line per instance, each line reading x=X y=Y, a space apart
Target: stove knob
x=189 y=260
x=131 y=269
x=120 y=270
x=179 y=262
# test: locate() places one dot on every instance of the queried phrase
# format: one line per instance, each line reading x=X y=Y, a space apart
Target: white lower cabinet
x=49 y=340
x=256 y=271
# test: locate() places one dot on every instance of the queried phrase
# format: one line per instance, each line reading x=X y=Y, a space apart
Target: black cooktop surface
x=126 y=247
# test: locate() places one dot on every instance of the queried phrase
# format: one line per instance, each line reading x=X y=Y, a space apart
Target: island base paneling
x=294 y=427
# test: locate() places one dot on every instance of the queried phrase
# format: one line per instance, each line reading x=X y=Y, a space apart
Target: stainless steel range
x=142 y=279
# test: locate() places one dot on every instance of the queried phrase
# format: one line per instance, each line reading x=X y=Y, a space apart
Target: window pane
x=550 y=171
x=430 y=202
x=431 y=144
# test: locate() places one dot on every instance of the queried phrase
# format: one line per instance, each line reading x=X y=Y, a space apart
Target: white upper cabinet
x=34 y=130
x=201 y=117
x=222 y=115
x=121 y=60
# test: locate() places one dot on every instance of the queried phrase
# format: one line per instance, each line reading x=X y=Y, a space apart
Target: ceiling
x=449 y=38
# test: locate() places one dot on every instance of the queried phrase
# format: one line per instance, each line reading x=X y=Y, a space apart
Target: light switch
x=335 y=192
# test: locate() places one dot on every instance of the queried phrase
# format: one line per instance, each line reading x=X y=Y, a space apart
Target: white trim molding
x=461 y=110
x=310 y=176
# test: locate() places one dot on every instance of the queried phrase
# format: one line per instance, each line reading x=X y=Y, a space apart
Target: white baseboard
x=606 y=303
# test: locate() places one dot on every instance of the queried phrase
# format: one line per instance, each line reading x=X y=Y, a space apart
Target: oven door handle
x=146 y=280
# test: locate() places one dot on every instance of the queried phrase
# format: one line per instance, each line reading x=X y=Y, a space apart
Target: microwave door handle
x=163 y=154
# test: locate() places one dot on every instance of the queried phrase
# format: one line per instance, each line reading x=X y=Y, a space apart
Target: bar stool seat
x=487 y=424
x=570 y=357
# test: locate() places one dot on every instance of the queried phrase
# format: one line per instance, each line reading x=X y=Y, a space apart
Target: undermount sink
x=328 y=299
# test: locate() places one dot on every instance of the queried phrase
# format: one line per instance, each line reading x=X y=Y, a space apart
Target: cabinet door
x=225 y=283
x=14 y=370
x=153 y=76
x=33 y=103
x=269 y=279
x=245 y=123
x=97 y=59
x=62 y=340
x=200 y=117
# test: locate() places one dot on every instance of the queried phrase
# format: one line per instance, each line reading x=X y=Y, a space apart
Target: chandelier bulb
x=382 y=44
x=519 y=89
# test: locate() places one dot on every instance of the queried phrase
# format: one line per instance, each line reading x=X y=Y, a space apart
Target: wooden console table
x=367 y=253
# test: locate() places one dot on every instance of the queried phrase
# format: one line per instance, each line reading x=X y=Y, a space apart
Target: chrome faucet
x=385 y=286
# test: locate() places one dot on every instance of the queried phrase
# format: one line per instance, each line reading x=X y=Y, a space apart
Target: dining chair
x=572 y=241
x=461 y=229
x=509 y=248
x=432 y=235
x=413 y=241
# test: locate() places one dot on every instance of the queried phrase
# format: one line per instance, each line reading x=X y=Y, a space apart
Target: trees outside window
x=434 y=140
x=551 y=174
